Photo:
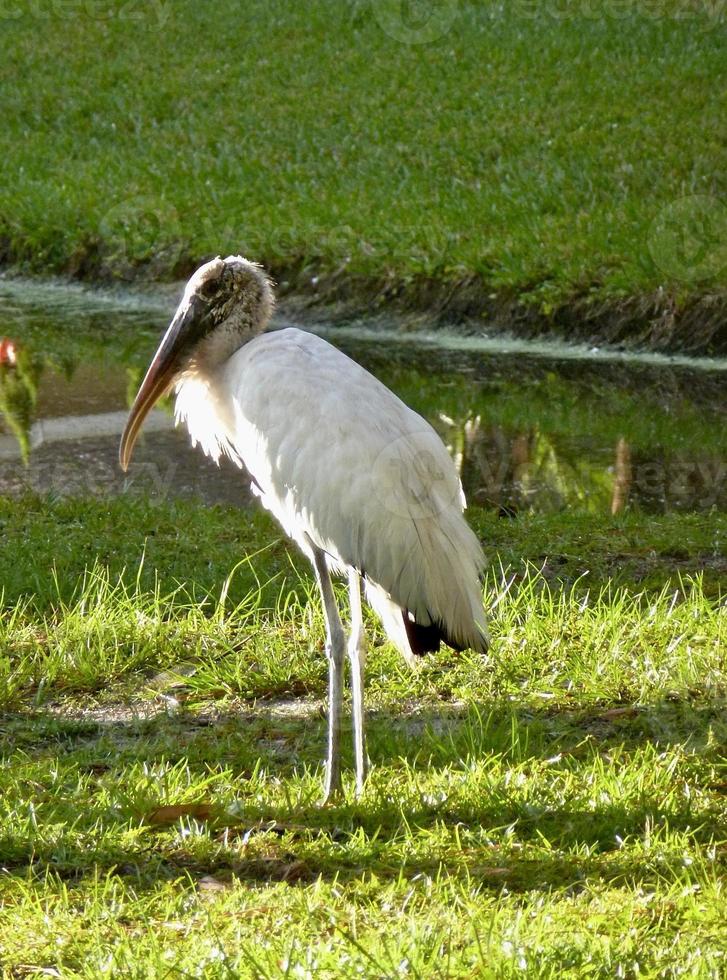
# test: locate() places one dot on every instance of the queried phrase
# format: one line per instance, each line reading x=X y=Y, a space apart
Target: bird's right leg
x=335 y=651
x=357 y=657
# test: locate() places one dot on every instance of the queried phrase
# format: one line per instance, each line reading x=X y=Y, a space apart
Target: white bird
x=361 y=483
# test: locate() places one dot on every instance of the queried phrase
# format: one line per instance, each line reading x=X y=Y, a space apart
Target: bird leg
x=357 y=659
x=335 y=650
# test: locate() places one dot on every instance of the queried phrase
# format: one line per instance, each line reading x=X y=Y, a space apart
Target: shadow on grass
x=486 y=786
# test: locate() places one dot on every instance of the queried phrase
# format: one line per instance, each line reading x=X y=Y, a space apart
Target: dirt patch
x=129 y=713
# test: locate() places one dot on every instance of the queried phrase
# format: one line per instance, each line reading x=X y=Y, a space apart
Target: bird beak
x=184 y=328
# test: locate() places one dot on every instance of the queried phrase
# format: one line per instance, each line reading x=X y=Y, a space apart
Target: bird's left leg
x=357 y=658
x=335 y=651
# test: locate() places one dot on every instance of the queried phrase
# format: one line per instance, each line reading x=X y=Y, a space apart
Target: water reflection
x=19 y=376
x=527 y=433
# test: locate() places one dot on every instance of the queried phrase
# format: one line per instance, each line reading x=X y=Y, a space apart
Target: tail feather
x=422 y=639
x=445 y=605
x=423 y=576
x=451 y=597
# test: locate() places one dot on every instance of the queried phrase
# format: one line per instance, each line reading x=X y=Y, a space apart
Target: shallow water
x=531 y=427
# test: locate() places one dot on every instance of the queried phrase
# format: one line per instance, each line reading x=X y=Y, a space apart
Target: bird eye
x=209 y=289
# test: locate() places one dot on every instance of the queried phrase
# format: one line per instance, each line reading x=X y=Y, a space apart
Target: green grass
x=555 y=809
x=528 y=149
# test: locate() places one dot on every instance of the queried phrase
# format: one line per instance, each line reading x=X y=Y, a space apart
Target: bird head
x=226 y=302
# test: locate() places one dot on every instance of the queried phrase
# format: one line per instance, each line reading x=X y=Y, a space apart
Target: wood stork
x=361 y=483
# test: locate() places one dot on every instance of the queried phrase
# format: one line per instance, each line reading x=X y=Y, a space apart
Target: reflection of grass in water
x=573 y=434
x=58 y=342
x=565 y=411
x=567 y=479
x=64 y=337
x=18 y=395
x=558 y=804
x=569 y=412
x=572 y=428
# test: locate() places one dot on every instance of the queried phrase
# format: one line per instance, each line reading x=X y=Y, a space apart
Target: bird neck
x=201 y=399
x=219 y=346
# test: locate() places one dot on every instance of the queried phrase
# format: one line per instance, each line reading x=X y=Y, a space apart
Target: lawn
x=460 y=156
x=555 y=809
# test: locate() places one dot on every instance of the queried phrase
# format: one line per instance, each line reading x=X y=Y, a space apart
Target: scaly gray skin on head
x=225 y=303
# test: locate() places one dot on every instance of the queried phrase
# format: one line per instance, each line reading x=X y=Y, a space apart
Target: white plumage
x=362 y=483
x=324 y=440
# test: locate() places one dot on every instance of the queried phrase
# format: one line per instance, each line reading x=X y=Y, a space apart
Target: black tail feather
x=426 y=639
x=422 y=639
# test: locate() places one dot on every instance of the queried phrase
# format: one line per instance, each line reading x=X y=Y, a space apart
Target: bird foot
x=333 y=791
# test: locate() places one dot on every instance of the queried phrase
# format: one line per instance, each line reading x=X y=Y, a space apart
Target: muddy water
x=531 y=428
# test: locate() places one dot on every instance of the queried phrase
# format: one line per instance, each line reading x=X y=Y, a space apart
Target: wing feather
x=339 y=458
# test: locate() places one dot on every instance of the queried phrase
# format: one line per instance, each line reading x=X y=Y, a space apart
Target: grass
x=536 y=152
x=555 y=809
